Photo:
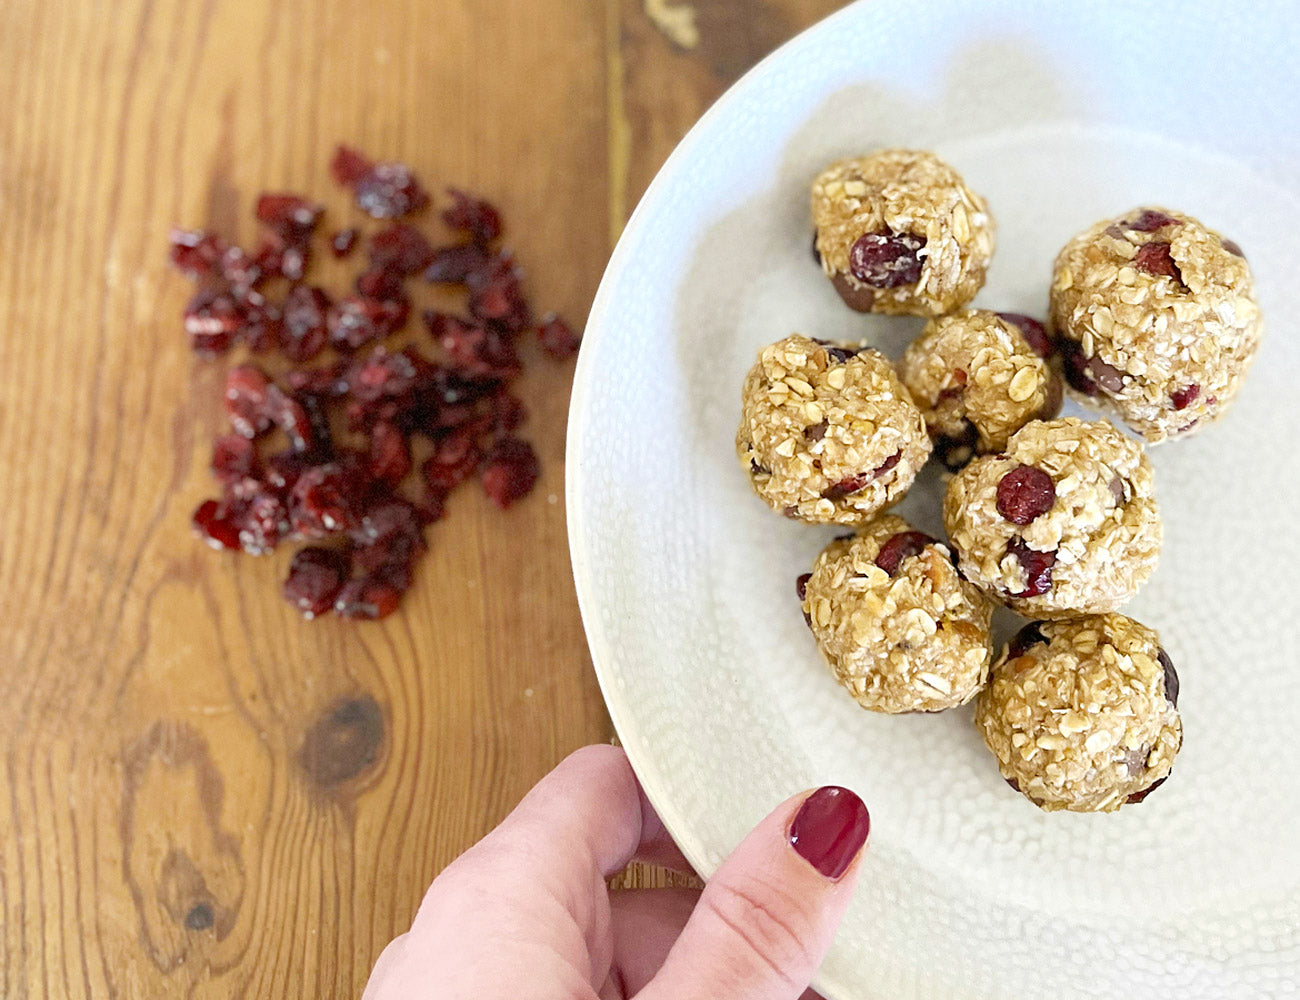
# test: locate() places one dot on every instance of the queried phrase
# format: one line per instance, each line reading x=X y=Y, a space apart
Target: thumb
x=768 y=916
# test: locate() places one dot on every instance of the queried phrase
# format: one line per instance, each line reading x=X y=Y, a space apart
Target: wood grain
x=201 y=795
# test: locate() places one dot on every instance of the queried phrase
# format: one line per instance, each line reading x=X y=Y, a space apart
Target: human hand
x=525 y=914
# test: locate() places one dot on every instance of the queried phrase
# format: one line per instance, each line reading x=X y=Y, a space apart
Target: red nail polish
x=829 y=829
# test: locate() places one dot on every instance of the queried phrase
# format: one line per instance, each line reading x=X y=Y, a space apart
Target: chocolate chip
x=1171 y=677
x=817 y=254
x=1232 y=247
x=815 y=432
x=955 y=451
x=1117 y=490
x=857 y=297
x=1107 y=376
x=1137 y=797
x=1024 y=640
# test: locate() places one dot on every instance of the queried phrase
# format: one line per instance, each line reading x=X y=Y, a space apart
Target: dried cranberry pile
x=326 y=453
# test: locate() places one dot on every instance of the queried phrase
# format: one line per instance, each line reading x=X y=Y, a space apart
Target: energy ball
x=1083 y=714
x=899 y=232
x=828 y=434
x=1157 y=320
x=978 y=379
x=901 y=630
x=1064 y=522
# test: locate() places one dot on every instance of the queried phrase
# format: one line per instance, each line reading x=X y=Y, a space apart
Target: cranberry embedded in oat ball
x=1081 y=715
x=899 y=232
x=1149 y=305
x=828 y=434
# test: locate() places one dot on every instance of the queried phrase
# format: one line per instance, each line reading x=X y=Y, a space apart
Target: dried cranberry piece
x=477 y=350
x=284 y=469
x=955 y=450
x=453 y=265
x=455 y=458
x=380 y=283
x=1137 y=797
x=1232 y=247
x=196 y=252
x=510 y=470
x=322 y=501
x=293 y=261
x=904 y=545
x=801 y=585
x=290 y=215
x=380 y=375
x=1186 y=396
x=390 y=455
x=557 y=338
x=1033 y=331
x=817 y=431
x=213 y=320
x=1149 y=220
x=240 y=270
x=213 y=523
x=303 y=330
x=316 y=575
x=1025 y=493
x=291 y=415
x=496 y=294
x=386 y=520
x=474 y=216
x=248 y=400
x=400 y=248
x=262 y=523
x=1156 y=259
x=355 y=321
x=1037 y=566
x=233 y=457
x=886 y=259
x=1171 y=676
x=389 y=191
x=507 y=411
x=853 y=484
x=343 y=241
x=349 y=165
x=367 y=598
x=1024 y=640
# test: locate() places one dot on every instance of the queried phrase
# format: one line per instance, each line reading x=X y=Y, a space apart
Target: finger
x=645 y=924
x=768 y=916
x=540 y=875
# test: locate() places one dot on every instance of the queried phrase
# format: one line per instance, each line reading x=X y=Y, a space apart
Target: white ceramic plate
x=1060 y=114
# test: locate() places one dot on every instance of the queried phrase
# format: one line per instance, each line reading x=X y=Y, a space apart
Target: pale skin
x=525 y=914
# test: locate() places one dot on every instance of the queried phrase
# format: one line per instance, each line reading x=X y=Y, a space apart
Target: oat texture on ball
x=1064 y=522
x=977 y=380
x=1157 y=320
x=899 y=627
x=828 y=434
x=1083 y=714
x=899 y=232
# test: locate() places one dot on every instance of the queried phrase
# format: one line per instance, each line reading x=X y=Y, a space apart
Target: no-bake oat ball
x=1064 y=522
x=978 y=379
x=1157 y=319
x=1083 y=714
x=899 y=232
x=901 y=630
x=828 y=434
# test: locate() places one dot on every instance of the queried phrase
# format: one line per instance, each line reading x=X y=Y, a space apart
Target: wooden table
x=202 y=795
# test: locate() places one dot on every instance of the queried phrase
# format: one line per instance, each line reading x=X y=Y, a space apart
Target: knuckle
x=770 y=926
